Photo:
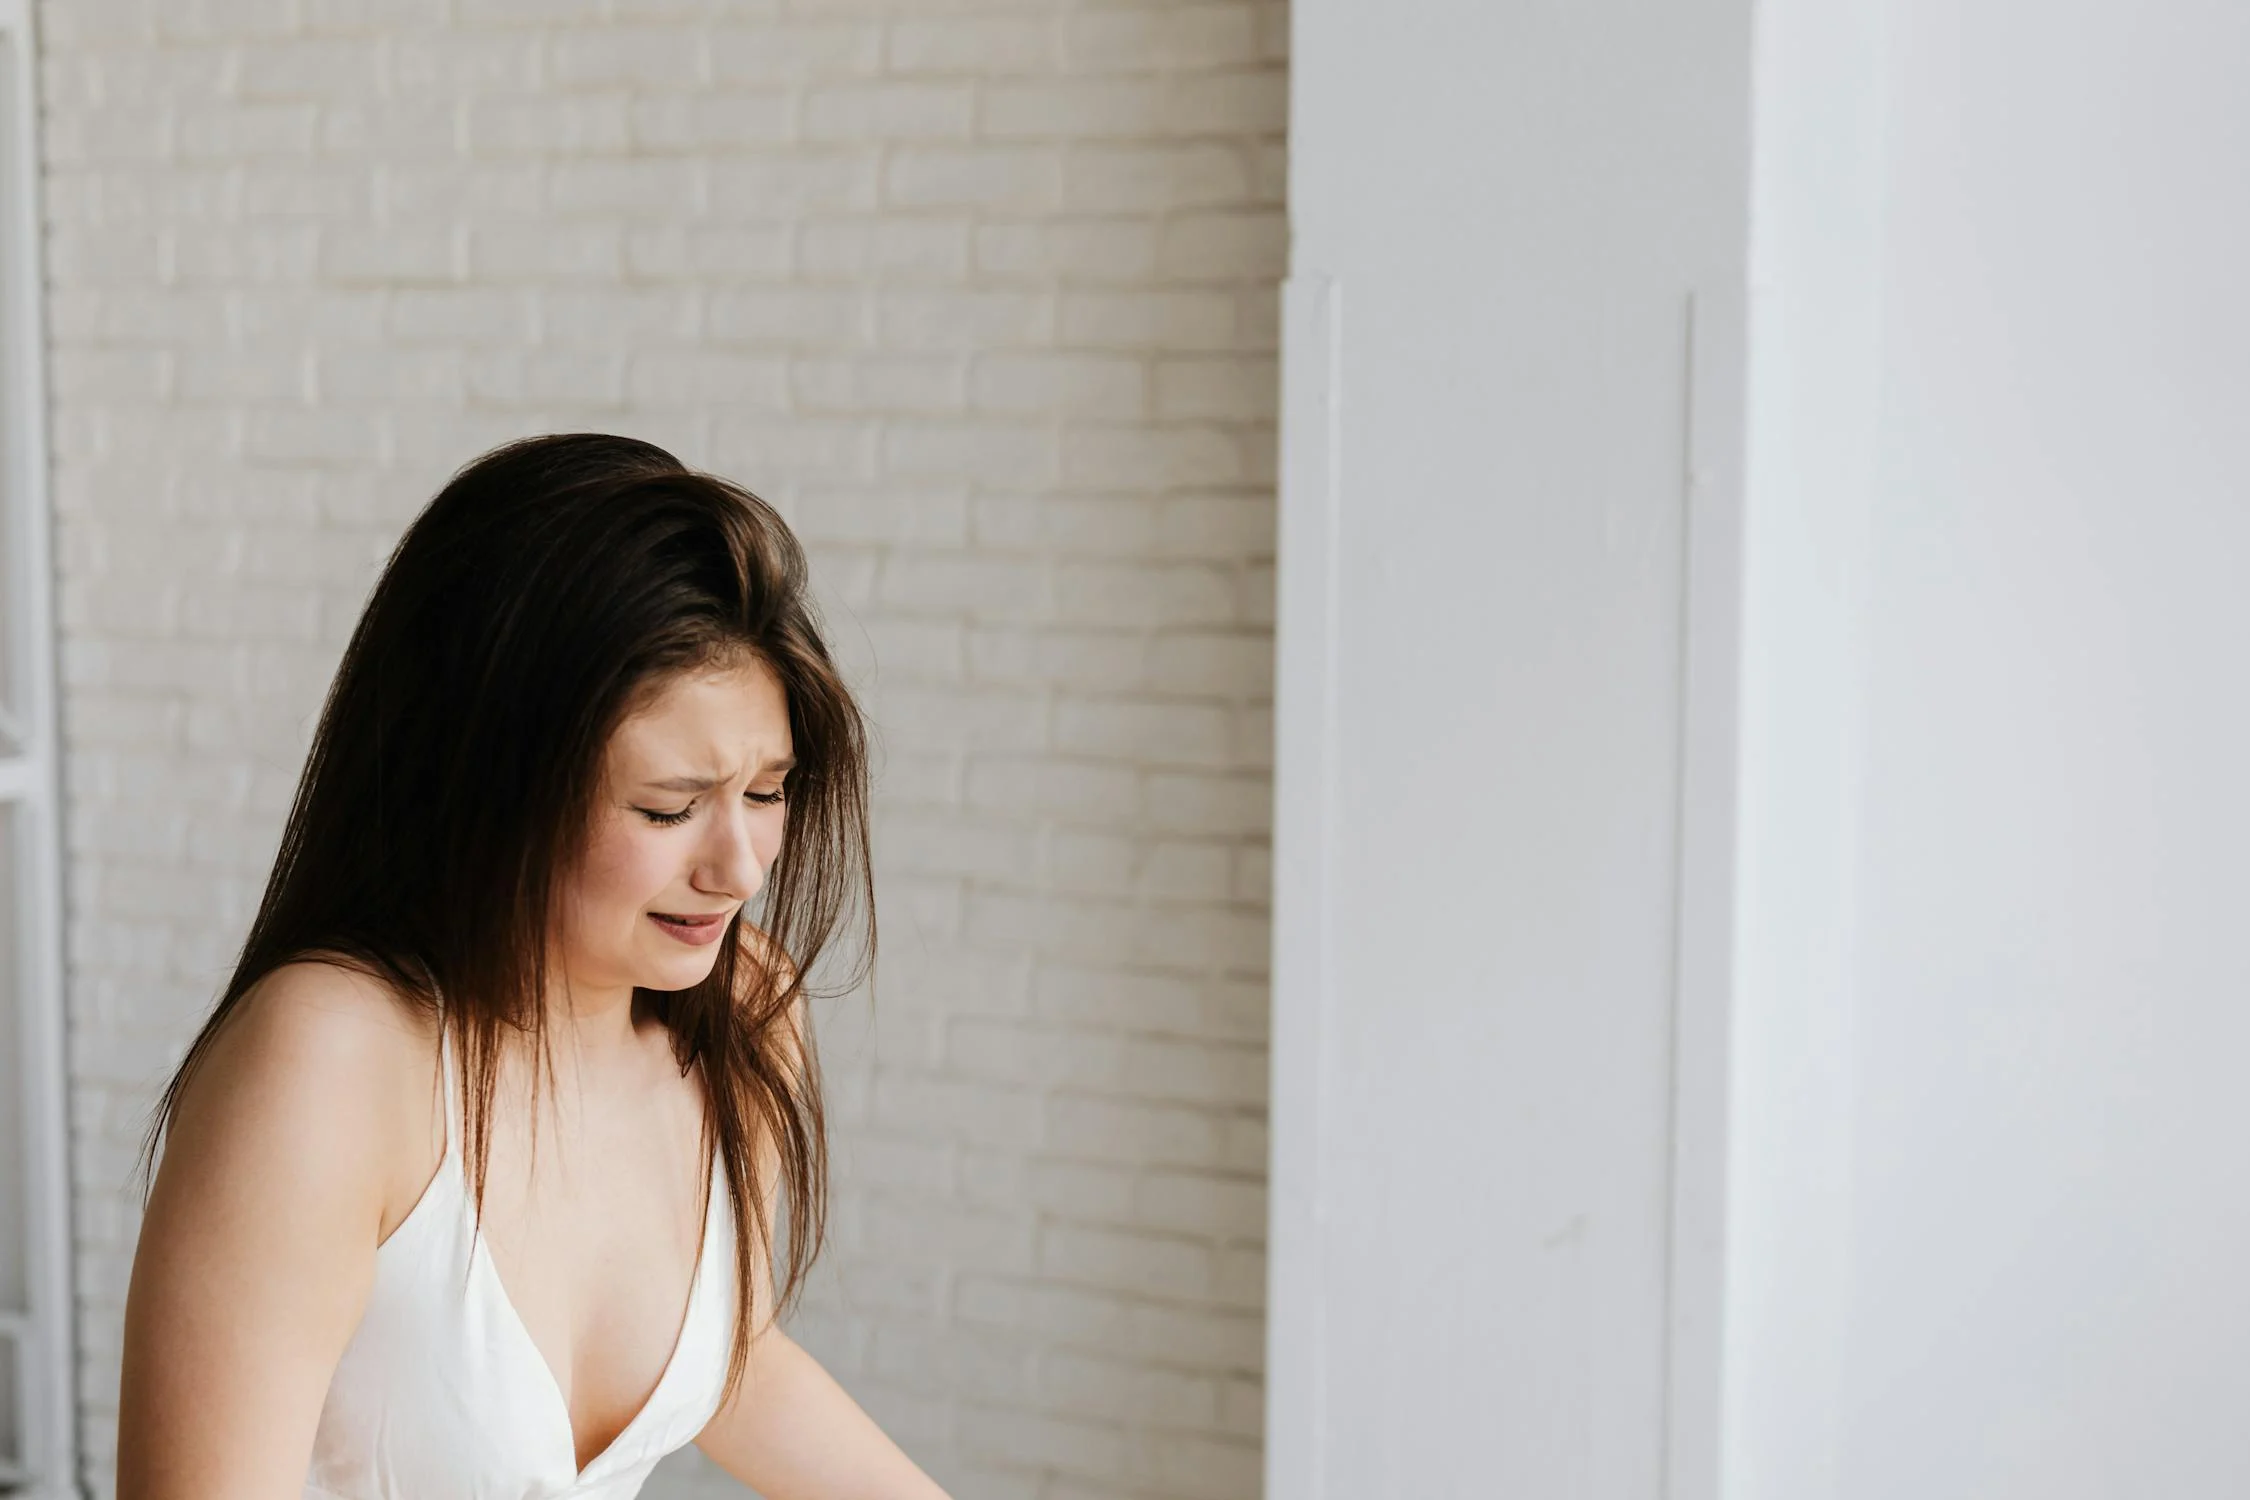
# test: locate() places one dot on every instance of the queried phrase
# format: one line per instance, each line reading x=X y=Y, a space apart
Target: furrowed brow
x=683 y=784
x=705 y=783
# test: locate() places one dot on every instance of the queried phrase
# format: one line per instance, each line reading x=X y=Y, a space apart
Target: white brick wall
x=983 y=294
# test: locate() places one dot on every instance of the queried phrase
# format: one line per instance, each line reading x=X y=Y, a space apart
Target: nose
x=729 y=866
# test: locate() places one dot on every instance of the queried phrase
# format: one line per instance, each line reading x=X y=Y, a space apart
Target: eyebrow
x=705 y=783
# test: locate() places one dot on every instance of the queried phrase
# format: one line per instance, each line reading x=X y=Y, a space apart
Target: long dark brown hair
x=537 y=599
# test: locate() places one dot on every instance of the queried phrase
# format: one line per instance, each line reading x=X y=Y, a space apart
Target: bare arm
x=790 y=1431
x=257 y=1252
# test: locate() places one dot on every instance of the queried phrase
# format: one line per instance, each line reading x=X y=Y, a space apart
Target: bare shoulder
x=339 y=1045
x=314 y=1051
x=309 y=1034
x=257 y=1250
x=323 y=991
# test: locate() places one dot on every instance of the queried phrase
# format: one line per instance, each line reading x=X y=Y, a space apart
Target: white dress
x=442 y=1395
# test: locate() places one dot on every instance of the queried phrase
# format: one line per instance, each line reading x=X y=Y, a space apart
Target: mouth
x=690 y=927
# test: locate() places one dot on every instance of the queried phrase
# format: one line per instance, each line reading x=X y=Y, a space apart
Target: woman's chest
x=443 y=1389
x=594 y=1222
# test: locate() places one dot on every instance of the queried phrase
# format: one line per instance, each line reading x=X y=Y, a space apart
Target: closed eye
x=668 y=819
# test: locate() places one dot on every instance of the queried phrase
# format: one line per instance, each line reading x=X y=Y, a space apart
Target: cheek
x=624 y=869
x=766 y=841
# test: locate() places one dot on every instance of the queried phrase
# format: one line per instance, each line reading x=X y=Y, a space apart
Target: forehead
x=706 y=722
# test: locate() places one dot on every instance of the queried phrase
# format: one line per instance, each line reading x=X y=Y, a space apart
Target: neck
x=594 y=1024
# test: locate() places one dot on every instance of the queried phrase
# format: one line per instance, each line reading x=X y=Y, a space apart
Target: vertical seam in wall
x=1331 y=725
x=1684 y=564
x=1303 y=1053
x=1704 y=806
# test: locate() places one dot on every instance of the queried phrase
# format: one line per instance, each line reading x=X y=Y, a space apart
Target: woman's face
x=688 y=818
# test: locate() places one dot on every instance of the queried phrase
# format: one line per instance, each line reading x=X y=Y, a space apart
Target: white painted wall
x=1992 y=1195
x=1982 y=1106
x=1502 y=214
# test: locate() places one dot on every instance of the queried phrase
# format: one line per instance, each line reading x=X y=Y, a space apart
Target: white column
x=1510 y=493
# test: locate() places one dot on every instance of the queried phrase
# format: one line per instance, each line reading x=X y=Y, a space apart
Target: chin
x=676 y=971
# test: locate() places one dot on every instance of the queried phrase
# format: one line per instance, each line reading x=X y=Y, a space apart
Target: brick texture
x=982 y=294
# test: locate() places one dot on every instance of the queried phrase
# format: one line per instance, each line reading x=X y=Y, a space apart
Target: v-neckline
x=481 y=1251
